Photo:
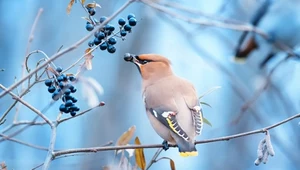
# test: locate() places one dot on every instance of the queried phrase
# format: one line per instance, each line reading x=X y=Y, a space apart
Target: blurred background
x=259 y=86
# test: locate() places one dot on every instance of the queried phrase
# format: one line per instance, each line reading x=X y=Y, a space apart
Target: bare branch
x=27 y=105
x=225 y=138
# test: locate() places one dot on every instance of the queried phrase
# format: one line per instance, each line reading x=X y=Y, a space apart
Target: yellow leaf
x=172 y=165
x=126 y=136
x=82 y=1
x=92 y=5
x=139 y=155
x=70 y=6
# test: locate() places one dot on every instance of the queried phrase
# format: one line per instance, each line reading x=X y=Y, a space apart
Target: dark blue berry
x=51 y=89
x=48 y=82
x=130 y=16
x=89 y=27
x=56 y=95
x=103 y=46
x=91 y=43
x=74 y=100
x=74 y=108
x=72 y=78
x=111 y=49
x=67 y=92
x=66 y=98
x=100 y=35
x=132 y=21
x=71 y=87
x=60 y=78
x=91 y=11
x=111 y=28
x=122 y=21
x=65 y=78
x=112 y=41
x=73 y=113
x=59 y=69
x=97 y=41
x=73 y=90
x=102 y=19
x=123 y=33
x=107 y=32
x=107 y=27
x=69 y=103
x=61 y=85
x=127 y=27
x=67 y=110
x=62 y=108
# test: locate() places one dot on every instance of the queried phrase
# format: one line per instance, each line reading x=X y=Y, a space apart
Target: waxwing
x=171 y=102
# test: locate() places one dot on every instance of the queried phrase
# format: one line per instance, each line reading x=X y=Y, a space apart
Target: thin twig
x=27 y=105
x=24 y=143
x=71 y=48
x=153 y=160
x=224 y=138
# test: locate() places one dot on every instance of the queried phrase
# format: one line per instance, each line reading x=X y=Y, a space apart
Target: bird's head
x=151 y=66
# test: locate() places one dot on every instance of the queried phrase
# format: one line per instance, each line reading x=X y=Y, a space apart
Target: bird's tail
x=187 y=149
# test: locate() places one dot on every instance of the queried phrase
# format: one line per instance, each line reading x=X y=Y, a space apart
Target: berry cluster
x=60 y=87
x=104 y=37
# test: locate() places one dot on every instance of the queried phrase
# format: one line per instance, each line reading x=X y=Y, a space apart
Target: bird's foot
x=165 y=145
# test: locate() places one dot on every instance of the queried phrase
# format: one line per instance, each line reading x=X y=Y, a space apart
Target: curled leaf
x=269 y=144
x=82 y=1
x=139 y=155
x=172 y=165
x=70 y=6
x=126 y=136
x=92 y=5
x=206 y=121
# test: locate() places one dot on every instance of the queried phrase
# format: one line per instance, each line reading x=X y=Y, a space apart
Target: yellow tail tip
x=186 y=154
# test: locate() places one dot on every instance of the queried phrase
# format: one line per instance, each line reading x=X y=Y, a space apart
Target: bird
x=171 y=102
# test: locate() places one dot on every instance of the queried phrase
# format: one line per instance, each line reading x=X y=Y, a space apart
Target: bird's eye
x=144 y=61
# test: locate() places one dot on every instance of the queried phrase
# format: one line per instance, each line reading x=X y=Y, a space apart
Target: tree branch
x=27 y=105
x=225 y=138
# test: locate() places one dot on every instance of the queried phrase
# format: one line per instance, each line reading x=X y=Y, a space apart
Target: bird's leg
x=165 y=145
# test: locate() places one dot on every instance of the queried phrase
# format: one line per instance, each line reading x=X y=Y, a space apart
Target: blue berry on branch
x=112 y=41
x=91 y=11
x=48 y=82
x=91 y=43
x=123 y=33
x=130 y=16
x=51 y=89
x=127 y=28
x=102 y=19
x=122 y=21
x=59 y=69
x=111 y=48
x=89 y=26
x=132 y=22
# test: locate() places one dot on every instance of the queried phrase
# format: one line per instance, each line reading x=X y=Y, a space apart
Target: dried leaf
x=139 y=155
x=87 y=18
x=88 y=59
x=206 y=121
x=266 y=155
x=92 y=5
x=82 y=1
x=172 y=164
x=126 y=136
x=70 y=6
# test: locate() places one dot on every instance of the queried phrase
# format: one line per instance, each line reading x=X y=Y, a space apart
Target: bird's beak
x=131 y=58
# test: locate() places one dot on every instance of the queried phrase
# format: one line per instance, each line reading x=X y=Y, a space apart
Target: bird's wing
x=190 y=96
x=168 y=119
